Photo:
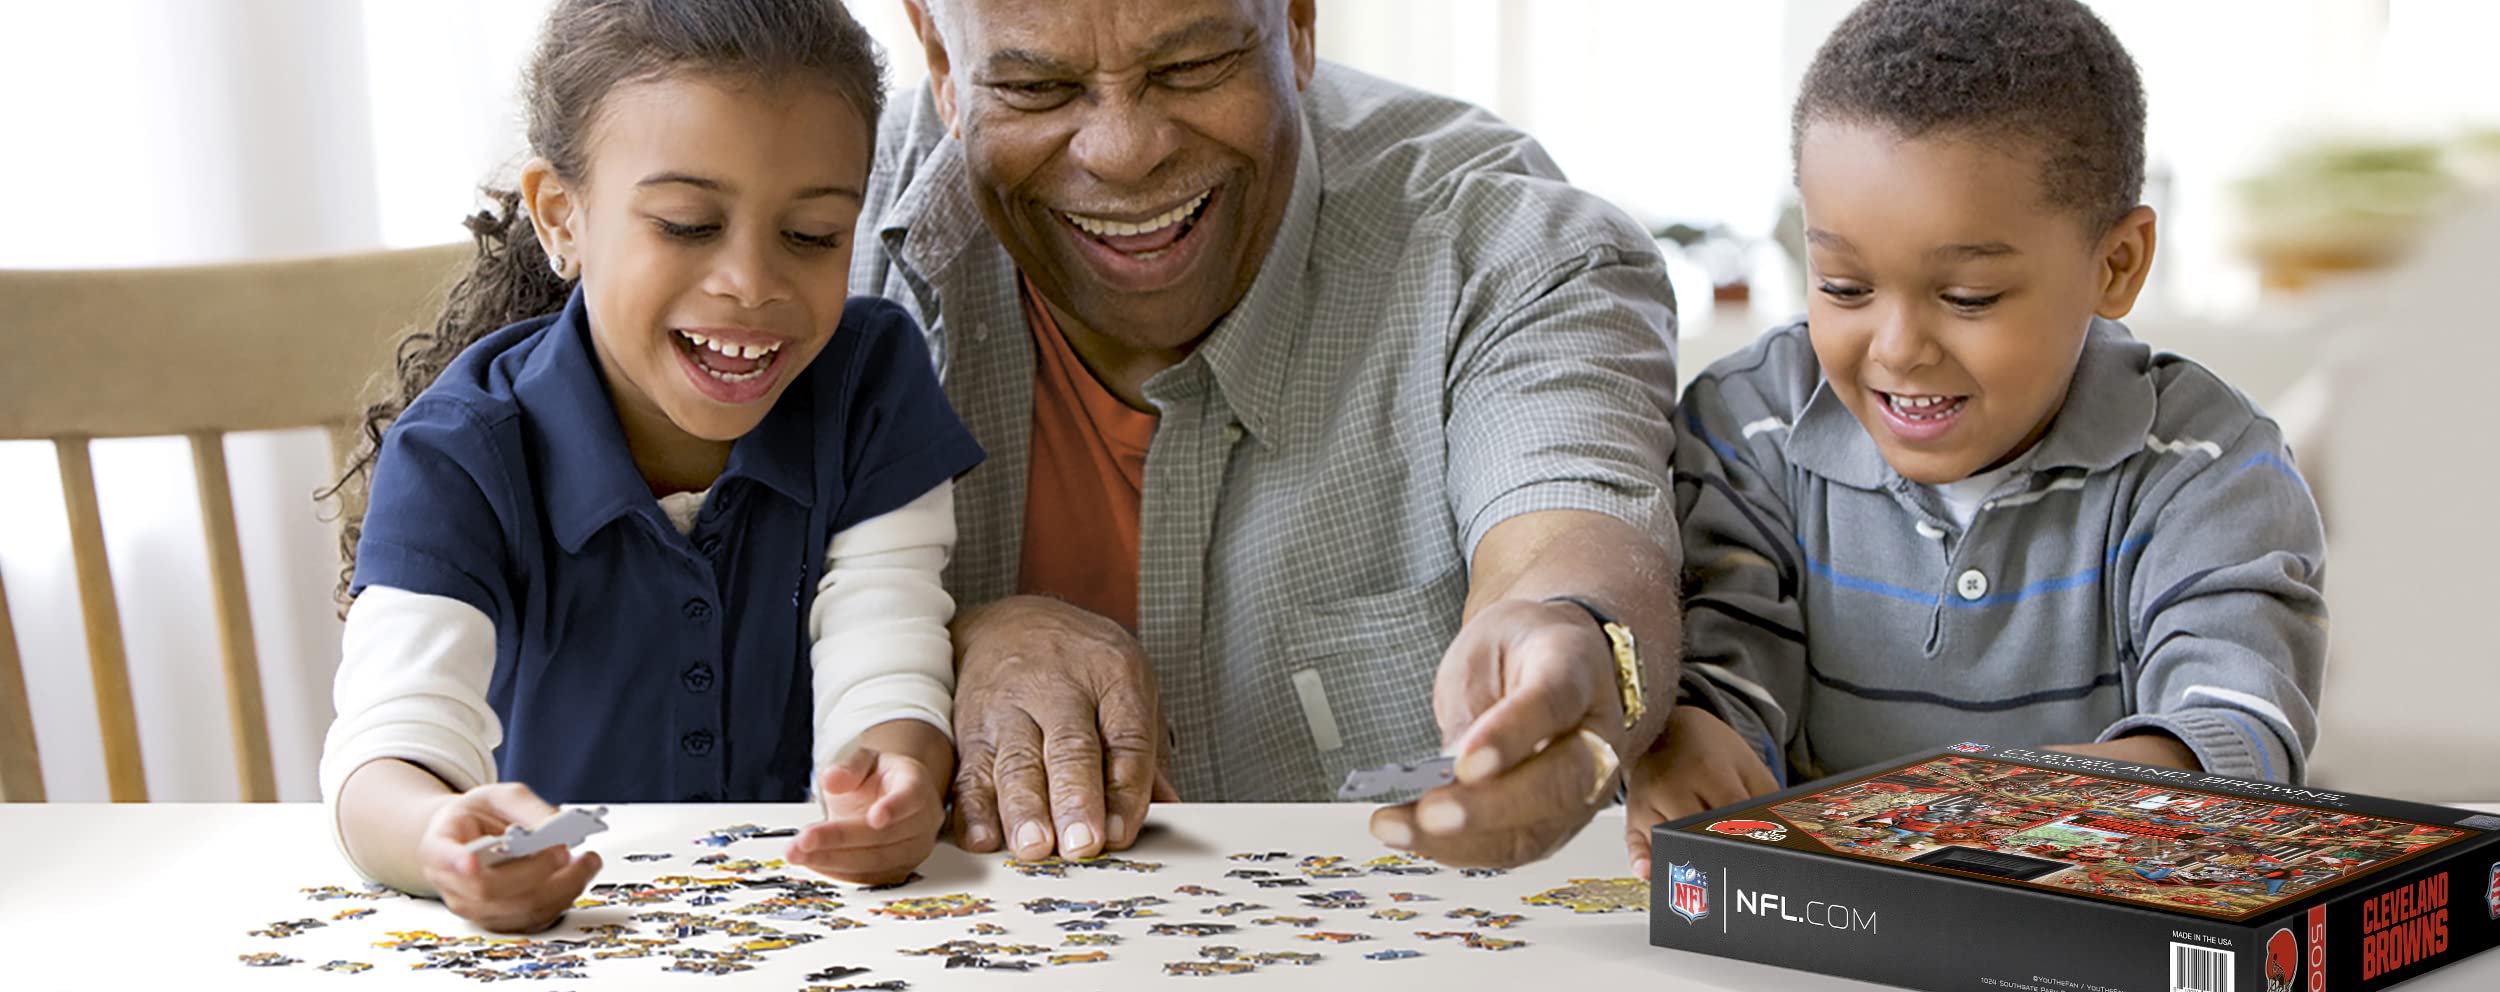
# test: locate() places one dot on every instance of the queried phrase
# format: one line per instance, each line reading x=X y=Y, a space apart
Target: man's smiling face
x=1133 y=156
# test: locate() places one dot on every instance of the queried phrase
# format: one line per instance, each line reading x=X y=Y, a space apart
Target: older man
x=1328 y=427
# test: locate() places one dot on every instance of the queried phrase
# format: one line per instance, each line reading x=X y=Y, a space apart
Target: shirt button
x=697 y=609
x=697 y=677
x=698 y=743
x=1972 y=585
x=1232 y=433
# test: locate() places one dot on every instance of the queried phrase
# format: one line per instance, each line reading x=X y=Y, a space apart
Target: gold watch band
x=1628 y=675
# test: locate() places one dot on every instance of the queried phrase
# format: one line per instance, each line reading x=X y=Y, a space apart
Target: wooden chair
x=198 y=352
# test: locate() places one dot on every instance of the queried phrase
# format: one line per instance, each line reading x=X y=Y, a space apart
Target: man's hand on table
x=1058 y=731
x=523 y=895
x=1527 y=700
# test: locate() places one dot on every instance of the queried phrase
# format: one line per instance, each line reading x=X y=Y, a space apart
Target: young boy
x=1960 y=502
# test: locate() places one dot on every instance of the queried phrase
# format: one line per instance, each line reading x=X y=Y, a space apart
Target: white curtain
x=159 y=131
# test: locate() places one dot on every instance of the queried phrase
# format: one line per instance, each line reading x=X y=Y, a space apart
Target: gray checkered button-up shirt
x=1444 y=335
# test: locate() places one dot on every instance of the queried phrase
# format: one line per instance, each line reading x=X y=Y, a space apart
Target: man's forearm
x=1536 y=556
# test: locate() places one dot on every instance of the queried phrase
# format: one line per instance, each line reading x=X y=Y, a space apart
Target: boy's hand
x=882 y=813
x=524 y=895
x=2150 y=748
x=1700 y=763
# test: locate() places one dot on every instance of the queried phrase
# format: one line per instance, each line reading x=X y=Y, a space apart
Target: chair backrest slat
x=244 y=708
x=21 y=766
x=197 y=352
x=107 y=665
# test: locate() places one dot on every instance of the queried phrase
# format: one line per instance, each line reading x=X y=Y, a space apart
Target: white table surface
x=161 y=896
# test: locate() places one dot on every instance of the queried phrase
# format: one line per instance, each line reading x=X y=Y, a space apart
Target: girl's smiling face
x=1948 y=300
x=711 y=230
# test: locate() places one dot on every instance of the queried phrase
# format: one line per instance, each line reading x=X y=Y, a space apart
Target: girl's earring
x=555 y=263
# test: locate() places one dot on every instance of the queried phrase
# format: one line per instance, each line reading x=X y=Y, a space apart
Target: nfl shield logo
x=2491 y=892
x=1967 y=747
x=1688 y=892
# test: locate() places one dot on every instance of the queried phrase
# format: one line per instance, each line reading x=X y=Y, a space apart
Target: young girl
x=673 y=532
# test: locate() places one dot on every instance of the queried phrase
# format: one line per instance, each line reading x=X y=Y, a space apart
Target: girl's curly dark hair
x=588 y=48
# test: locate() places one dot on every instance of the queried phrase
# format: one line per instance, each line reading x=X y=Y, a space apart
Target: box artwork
x=1980 y=867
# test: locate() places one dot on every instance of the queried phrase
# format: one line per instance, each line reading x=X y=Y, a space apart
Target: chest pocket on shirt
x=1360 y=671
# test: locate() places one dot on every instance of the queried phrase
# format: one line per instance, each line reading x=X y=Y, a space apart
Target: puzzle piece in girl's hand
x=1399 y=776
x=1596 y=895
x=565 y=829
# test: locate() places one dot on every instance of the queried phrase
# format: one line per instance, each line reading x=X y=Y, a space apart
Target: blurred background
x=2325 y=171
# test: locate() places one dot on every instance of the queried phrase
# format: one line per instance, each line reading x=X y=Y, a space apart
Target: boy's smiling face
x=1948 y=299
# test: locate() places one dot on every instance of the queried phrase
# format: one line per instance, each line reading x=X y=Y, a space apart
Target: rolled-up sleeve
x=1564 y=400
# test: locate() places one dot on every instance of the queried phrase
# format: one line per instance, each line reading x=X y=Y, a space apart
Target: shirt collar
x=1250 y=349
x=2109 y=409
x=587 y=477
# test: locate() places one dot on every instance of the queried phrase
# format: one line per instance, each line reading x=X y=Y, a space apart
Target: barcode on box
x=2199 y=969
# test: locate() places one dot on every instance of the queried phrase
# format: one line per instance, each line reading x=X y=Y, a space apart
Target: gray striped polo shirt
x=2158 y=562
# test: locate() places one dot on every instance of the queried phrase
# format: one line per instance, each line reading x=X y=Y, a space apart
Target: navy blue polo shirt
x=633 y=663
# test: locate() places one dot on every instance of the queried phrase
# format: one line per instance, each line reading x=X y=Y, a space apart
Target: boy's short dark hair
x=2046 y=72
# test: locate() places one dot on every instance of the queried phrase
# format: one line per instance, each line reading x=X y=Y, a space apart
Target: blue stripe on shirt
x=2075 y=581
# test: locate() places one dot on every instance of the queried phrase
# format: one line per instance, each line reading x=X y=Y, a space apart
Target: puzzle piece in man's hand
x=565 y=829
x=1399 y=776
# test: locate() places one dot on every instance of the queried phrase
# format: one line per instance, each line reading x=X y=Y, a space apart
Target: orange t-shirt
x=1086 y=480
